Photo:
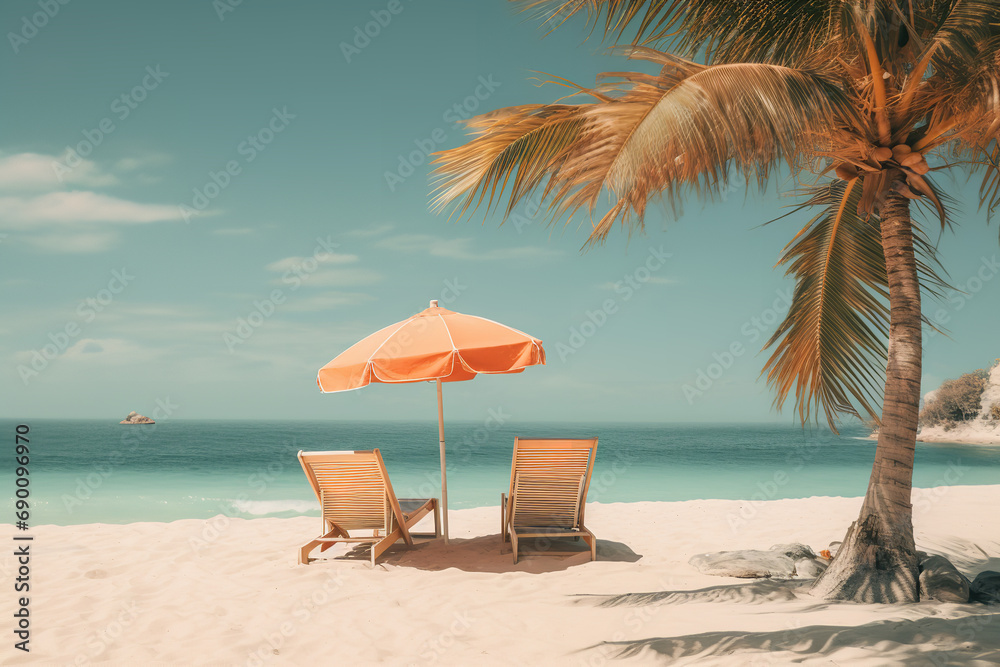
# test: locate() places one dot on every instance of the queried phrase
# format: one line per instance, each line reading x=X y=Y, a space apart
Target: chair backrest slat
x=352 y=488
x=549 y=481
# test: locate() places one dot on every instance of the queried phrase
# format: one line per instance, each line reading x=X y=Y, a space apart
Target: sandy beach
x=978 y=433
x=229 y=591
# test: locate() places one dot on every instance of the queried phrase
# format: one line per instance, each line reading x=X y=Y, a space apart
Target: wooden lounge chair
x=355 y=494
x=549 y=479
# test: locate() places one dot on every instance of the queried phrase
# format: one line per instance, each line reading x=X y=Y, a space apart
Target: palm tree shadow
x=969 y=640
x=757 y=591
x=968 y=556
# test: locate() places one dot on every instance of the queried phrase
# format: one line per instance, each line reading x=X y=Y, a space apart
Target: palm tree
x=857 y=93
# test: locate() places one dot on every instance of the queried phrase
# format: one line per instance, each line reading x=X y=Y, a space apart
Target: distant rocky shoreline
x=981 y=429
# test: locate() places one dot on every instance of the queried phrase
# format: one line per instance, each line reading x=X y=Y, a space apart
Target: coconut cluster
x=882 y=158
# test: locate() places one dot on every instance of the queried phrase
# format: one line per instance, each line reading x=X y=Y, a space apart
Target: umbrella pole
x=444 y=479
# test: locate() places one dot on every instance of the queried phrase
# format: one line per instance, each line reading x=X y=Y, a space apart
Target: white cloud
x=73 y=243
x=333 y=278
x=37 y=200
x=369 y=232
x=106 y=350
x=35 y=171
x=461 y=249
x=322 y=270
x=79 y=207
x=136 y=163
x=236 y=296
x=323 y=302
x=99 y=350
x=233 y=231
x=303 y=264
x=652 y=280
x=136 y=310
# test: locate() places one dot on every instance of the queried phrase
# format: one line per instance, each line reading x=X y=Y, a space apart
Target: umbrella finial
x=434 y=303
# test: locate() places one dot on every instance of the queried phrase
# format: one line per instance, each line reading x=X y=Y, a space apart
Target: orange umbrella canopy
x=436 y=344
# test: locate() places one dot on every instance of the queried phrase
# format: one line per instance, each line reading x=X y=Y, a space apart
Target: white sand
x=977 y=432
x=154 y=593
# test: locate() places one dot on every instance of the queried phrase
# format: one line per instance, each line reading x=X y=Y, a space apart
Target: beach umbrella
x=435 y=345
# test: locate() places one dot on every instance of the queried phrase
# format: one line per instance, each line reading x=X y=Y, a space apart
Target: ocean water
x=93 y=471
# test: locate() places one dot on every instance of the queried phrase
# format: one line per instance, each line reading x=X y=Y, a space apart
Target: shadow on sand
x=969 y=557
x=757 y=591
x=484 y=554
x=970 y=640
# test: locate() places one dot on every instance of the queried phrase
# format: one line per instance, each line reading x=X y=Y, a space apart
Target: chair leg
x=592 y=541
x=437 y=520
x=385 y=543
x=504 y=520
x=305 y=549
x=503 y=524
x=336 y=531
x=513 y=541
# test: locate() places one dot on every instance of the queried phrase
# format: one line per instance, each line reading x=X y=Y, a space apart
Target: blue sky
x=170 y=170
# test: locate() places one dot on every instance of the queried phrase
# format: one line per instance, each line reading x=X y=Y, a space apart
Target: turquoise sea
x=95 y=471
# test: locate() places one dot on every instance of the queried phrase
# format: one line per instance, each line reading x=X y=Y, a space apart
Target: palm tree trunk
x=877 y=561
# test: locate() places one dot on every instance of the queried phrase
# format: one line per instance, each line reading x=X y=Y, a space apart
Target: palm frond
x=989 y=190
x=932 y=273
x=681 y=130
x=831 y=347
x=532 y=141
x=956 y=68
x=968 y=27
x=790 y=32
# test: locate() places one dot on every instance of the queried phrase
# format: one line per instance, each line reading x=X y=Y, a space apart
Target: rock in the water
x=985 y=587
x=941 y=581
x=135 y=418
x=745 y=564
x=810 y=567
x=795 y=551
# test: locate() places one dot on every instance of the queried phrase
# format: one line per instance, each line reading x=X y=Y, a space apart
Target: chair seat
x=411 y=505
x=547 y=530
